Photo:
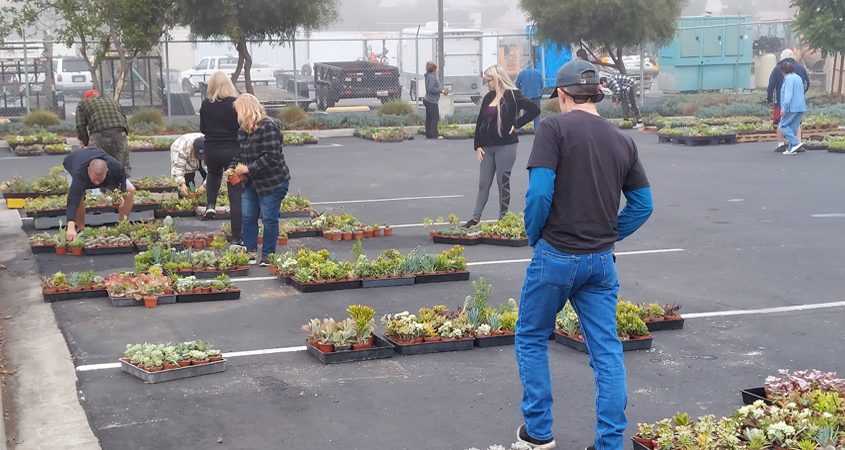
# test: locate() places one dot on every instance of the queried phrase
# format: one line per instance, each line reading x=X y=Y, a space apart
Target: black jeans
x=190 y=176
x=217 y=159
x=432 y=118
x=629 y=104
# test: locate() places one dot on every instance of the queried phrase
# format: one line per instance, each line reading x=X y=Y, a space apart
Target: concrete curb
x=43 y=392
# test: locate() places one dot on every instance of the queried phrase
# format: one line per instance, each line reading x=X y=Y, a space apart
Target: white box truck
x=464 y=64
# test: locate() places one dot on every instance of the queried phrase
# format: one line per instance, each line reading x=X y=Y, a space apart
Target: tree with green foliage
x=606 y=26
x=244 y=20
x=129 y=28
x=820 y=24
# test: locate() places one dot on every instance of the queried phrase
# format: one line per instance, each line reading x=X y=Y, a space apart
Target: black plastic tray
x=173 y=374
x=304 y=234
x=441 y=277
x=751 y=395
x=638 y=446
x=161 y=214
x=629 y=345
x=123 y=301
x=386 y=282
x=43 y=248
x=210 y=297
x=381 y=349
x=663 y=325
x=303 y=214
x=207 y=274
x=433 y=347
x=109 y=250
x=62 y=296
x=325 y=287
x=159 y=189
x=493 y=341
x=455 y=240
x=505 y=242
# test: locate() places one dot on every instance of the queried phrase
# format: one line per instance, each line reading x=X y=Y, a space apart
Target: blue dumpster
x=708 y=53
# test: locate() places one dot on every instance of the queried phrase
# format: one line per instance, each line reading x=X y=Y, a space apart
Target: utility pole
x=441 y=57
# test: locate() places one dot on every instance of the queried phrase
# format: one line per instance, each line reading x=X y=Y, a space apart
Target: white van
x=72 y=75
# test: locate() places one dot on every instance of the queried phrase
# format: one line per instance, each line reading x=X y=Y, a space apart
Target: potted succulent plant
x=77 y=246
x=365 y=325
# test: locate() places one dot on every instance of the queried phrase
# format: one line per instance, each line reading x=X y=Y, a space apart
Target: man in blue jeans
x=579 y=165
x=530 y=82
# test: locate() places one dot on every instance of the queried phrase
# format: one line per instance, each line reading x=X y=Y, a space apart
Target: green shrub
x=292 y=114
x=461 y=117
x=147 y=116
x=396 y=108
x=823 y=99
x=41 y=118
x=734 y=109
x=146 y=128
x=837 y=111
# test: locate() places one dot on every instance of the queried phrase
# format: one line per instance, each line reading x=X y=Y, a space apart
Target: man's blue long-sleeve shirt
x=538 y=203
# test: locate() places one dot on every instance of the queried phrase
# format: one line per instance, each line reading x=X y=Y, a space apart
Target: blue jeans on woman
x=267 y=207
x=589 y=281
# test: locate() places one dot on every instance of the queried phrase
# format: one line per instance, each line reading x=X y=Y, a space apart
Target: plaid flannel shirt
x=182 y=159
x=96 y=114
x=261 y=151
x=620 y=84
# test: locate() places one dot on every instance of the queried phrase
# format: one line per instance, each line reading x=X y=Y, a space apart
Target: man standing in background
x=530 y=82
x=100 y=123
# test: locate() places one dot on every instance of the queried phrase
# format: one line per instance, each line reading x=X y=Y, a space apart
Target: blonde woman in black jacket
x=504 y=110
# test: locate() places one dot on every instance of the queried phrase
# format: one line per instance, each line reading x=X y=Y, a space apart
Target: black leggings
x=217 y=159
x=432 y=118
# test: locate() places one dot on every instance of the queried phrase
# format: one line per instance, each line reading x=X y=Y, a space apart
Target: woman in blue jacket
x=792 y=105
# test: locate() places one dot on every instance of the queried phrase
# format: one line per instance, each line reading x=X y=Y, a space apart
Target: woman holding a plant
x=261 y=164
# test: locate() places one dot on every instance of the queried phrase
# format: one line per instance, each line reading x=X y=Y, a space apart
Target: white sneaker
x=793 y=150
x=638 y=125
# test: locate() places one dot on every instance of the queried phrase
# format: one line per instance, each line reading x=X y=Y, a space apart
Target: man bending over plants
x=92 y=168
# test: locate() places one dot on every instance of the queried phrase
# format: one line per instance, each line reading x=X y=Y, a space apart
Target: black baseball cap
x=199 y=148
x=576 y=72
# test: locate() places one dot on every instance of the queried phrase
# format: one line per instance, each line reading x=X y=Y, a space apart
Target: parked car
x=200 y=73
x=355 y=79
x=72 y=75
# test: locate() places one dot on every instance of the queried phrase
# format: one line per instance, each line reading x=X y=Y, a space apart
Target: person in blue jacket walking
x=530 y=82
x=578 y=167
x=774 y=88
x=793 y=105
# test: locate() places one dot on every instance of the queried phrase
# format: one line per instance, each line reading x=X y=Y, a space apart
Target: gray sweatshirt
x=432 y=88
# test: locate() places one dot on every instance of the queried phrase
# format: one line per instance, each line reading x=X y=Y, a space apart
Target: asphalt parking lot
x=735 y=227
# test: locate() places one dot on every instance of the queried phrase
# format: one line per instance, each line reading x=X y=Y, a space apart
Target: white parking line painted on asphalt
x=320 y=146
x=779 y=309
x=91 y=367
x=637 y=252
x=378 y=200
x=254 y=279
x=265 y=351
x=827 y=216
x=703 y=315
x=734 y=200
x=12 y=157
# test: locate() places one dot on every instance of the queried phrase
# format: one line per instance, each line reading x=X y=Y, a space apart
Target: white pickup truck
x=200 y=73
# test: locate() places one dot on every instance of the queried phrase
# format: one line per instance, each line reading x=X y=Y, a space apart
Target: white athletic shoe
x=794 y=150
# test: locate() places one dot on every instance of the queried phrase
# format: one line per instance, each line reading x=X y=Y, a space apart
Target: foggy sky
x=503 y=15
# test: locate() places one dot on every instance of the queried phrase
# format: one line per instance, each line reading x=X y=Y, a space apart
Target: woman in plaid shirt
x=260 y=161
